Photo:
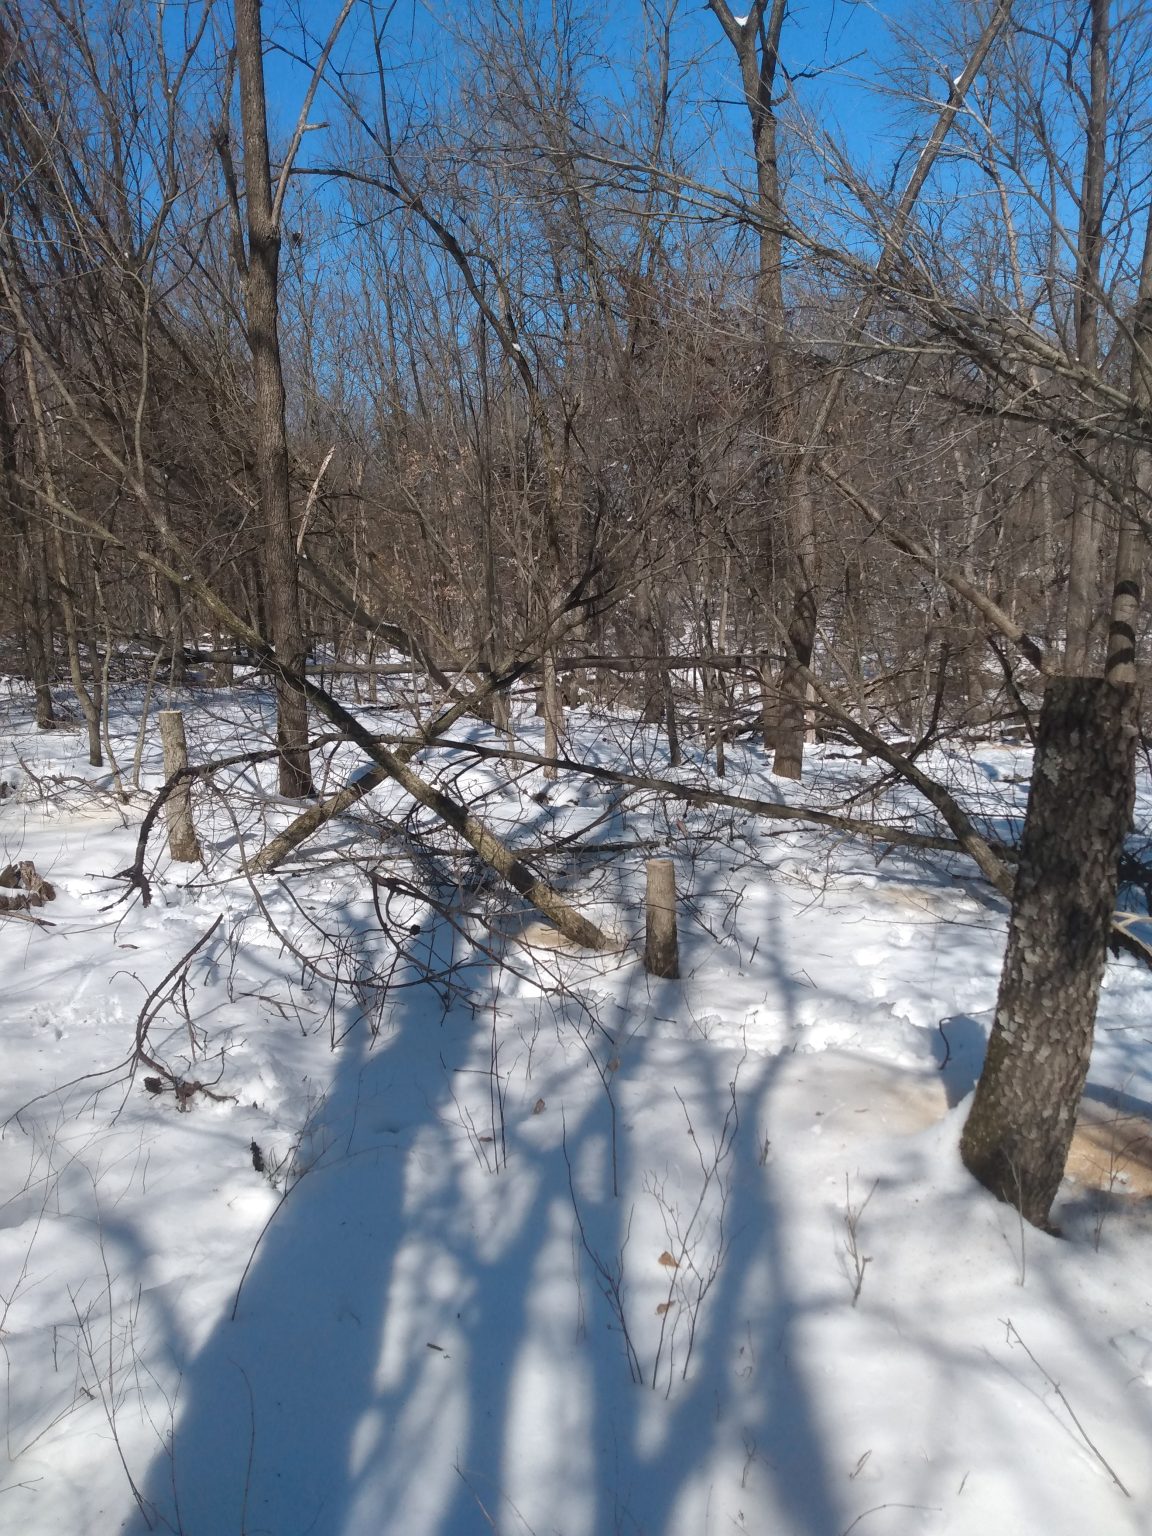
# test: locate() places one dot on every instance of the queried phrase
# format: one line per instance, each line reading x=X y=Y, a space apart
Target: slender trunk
x=784 y=723
x=59 y=567
x=671 y=724
x=790 y=722
x=31 y=579
x=496 y=707
x=270 y=434
x=553 y=710
x=36 y=611
x=719 y=642
x=755 y=39
x=173 y=614
x=1084 y=553
x=85 y=695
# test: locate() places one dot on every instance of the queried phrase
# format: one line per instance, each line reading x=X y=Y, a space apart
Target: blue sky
x=835 y=51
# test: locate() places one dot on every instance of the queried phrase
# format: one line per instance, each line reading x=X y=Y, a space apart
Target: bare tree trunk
x=671 y=725
x=224 y=668
x=1128 y=576
x=182 y=841
x=553 y=709
x=790 y=724
x=37 y=614
x=1084 y=554
x=755 y=39
x=85 y=695
x=497 y=709
x=1128 y=581
x=1020 y=1126
x=31 y=578
x=171 y=609
x=59 y=567
x=261 y=282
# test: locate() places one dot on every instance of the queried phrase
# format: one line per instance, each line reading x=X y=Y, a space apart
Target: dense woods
x=580 y=351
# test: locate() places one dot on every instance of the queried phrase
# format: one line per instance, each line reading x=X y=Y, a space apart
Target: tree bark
x=1128 y=570
x=661 y=946
x=182 y=841
x=1020 y=1126
x=755 y=39
x=261 y=284
x=553 y=710
x=31 y=575
x=1084 y=554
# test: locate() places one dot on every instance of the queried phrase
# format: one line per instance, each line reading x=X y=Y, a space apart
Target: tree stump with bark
x=661 y=948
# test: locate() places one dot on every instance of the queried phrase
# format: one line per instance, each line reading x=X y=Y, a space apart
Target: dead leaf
x=665 y=1306
x=668 y=1261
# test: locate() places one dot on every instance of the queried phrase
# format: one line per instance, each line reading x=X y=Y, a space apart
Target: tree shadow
x=427 y=1339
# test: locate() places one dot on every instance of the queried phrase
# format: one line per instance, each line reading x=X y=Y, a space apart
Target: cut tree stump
x=661 y=947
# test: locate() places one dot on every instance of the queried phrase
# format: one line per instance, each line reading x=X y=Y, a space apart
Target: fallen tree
x=489 y=848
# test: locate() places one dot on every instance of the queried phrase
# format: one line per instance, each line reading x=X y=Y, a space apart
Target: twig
x=1014 y=1334
x=876 y=1508
x=152 y=1005
x=852 y=1215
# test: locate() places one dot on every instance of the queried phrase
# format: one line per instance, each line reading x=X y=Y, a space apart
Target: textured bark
x=661 y=948
x=182 y=842
x=171 y=614
x=1020 y=1126
x=270 y=437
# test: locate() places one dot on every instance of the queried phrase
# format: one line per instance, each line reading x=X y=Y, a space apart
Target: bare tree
x=260 y=267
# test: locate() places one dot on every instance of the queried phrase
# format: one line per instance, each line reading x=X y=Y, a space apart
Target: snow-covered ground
x=548 y=1246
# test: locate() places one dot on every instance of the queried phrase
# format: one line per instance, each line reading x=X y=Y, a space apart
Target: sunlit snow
x=795 y=1315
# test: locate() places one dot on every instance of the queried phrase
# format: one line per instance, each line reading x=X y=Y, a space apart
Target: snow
x=553 y=1248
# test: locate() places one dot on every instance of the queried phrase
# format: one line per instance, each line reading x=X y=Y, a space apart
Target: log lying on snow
x=485 y=844
x=304 y=826
x=33 y=889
